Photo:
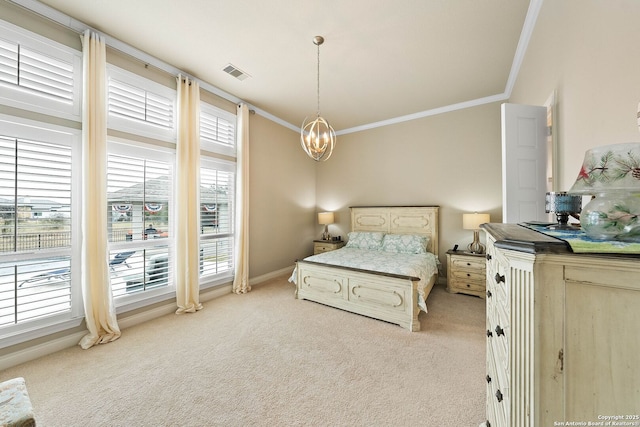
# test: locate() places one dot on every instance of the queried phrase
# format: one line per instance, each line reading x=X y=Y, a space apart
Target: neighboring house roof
x=134 y=193
x=35 y=203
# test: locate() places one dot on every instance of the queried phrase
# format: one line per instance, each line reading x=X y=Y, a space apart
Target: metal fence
x=30 y=241
x=46 y=240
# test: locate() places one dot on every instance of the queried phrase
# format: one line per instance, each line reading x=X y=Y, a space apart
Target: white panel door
x=524 y=163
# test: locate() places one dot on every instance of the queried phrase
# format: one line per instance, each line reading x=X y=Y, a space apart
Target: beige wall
x=282 y=198
x=588 y=52
x=451 y=160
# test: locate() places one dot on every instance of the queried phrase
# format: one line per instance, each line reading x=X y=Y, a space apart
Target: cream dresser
x=563 y=333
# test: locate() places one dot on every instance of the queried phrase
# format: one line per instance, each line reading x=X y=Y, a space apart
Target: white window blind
x=25 y=67
x=217 y=200
x=35 y=229
x=139 y=195
x=39 y=74
x=35 y=195
x=140 y=106
x=217 y=130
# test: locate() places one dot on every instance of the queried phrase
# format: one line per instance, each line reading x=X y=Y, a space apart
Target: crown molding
x=521 y=49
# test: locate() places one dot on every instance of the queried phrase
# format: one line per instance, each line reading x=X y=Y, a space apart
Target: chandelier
x=317 y=137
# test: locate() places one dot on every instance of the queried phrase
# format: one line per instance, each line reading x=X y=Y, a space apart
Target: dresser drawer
x=497 y=392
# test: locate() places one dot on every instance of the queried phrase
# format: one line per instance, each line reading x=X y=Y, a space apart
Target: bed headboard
x=422 y=220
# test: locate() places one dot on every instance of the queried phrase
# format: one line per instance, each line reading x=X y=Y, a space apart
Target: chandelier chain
x=318 y=79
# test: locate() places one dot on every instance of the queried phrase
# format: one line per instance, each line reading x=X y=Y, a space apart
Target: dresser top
x=522 y=239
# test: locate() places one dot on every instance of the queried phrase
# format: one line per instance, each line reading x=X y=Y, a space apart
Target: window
x=140 y=106
x=217 y=130
x=217 y=190
x=38 y=74
x=139 y=181
x=37 y=166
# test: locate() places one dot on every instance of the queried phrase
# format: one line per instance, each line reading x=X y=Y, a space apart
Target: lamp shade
x=611 y=173
x=325 y=218
x=609 y=168
x=561 y=202
x=473 y=221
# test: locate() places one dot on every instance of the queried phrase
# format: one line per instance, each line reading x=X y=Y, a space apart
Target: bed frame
x=389 y=297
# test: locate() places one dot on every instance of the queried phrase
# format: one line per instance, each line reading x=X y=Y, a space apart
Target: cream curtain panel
x=241 y=278
x=188 y=197
x=99 y=311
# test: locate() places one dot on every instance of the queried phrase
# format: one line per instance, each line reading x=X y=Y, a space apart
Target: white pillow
x=371 y=240
x=405 y=243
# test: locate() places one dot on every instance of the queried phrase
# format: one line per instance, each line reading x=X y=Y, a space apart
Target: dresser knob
x=468 y=264
x=499 y=278
x=499 y=395
x=488 y=257
x=499 y=330
x=489 y=333
x=488 y=294
x=488 y=379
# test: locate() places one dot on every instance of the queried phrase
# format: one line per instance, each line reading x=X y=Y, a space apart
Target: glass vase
x=612 y=216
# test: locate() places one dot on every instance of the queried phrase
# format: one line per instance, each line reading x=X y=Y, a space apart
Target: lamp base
x=563 y=227
x=612 y=216
x=325 y=234
x=476 y=247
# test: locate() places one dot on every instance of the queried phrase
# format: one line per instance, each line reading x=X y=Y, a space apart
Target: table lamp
x=326 y=218
x=610 y=173
x=472 y=222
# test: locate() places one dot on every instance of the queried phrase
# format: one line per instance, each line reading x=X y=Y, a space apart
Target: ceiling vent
x=235 y=72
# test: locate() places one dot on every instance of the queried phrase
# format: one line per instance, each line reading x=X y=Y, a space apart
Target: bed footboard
x=389 y=297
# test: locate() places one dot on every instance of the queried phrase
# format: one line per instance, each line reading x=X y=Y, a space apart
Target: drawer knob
x=488 y=257
x=488 y=294
x=488 y=379
x=489 y=333
x=468 y=275
x=468 y=285
x=499 y=278
x=499 y=395
x=468 y=263
x=499 y=330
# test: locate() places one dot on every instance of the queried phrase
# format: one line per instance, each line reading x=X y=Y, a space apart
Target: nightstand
x=320 y=246
x=466 y=273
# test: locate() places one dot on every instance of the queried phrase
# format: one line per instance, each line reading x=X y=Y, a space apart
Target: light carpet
x=267 y=359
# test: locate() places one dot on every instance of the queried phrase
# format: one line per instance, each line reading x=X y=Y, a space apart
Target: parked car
x=156 y=274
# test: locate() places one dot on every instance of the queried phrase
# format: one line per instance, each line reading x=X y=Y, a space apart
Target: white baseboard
x=272 y=275
x=39 y=350
x=33 y=352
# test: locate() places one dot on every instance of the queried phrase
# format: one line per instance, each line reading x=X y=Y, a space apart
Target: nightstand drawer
x=471 y=276
x=462 y=285
x=468 y=263
x=320 y=246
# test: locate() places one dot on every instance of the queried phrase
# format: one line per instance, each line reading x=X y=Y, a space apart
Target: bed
x=382 y=290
